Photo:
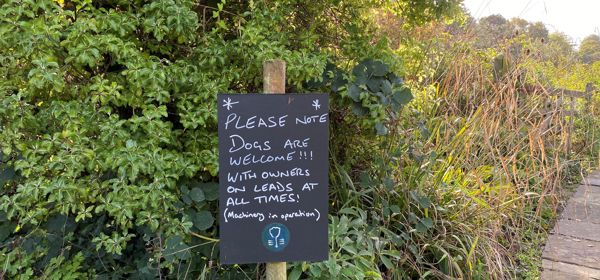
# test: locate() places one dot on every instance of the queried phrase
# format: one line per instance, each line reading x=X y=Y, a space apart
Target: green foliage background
x=108 y=123
x=108 y=136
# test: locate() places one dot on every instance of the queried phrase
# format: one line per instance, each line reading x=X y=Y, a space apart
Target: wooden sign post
x=273 y=175
x=274 y=83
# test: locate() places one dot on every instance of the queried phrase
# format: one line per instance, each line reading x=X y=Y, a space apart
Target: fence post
x=273 y=83
x=571 y=124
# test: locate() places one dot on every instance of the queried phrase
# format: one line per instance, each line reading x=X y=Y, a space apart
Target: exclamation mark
x=311 y=155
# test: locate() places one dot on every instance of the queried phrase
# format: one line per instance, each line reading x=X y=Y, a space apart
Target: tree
x=559 y=49
x=537 y=31
x=561 y=42
x=492 y=30
x=519 y=25
x=589 y=50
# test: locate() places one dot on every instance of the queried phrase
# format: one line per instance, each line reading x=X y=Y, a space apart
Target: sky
x=576 y=18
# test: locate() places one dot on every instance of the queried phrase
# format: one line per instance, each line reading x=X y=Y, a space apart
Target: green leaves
x=114 y=243
x=211 y=191
x=354 y=92
x=199 y=192
x=46 y=75
x=175 y=248
x=375 y=93
x=108 y=116
x=6 y=227
x=197 y=195
x=202 y=220
x=381 y=129
x=422 y=200
x=423 y=225
x=121 y=23
x=7 y=173
x=166 y=19
x=195 y=201
x=402 y=96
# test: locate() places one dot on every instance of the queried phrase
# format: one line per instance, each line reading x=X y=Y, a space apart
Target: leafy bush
x=108 y=142
x=108 y=120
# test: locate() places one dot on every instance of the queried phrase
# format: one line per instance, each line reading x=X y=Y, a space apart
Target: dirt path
x=573 y=247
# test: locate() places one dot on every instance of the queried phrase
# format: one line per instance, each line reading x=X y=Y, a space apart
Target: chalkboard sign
x=273 y=190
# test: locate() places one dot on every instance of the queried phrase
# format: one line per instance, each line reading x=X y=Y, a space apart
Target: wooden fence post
x=273 y=83
x=571 y=124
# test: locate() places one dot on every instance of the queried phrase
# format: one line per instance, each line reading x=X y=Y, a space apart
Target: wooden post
x=274 y=76
x=571 y=124
x=273 y=83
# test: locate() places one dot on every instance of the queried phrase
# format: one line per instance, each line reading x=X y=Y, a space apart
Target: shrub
x=108 y=123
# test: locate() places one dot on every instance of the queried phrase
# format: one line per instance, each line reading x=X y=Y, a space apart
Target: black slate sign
x=273 y=190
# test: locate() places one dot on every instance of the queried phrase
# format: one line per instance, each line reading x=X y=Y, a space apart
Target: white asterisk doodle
x=228 y=103
x=316 y=104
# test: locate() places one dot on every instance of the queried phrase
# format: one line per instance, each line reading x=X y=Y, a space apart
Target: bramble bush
x=108 y=123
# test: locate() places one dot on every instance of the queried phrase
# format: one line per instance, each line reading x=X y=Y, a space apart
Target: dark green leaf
x=296 y=273
x=187 y=200
x=203 y=220
x=381 y=129
x=30 y=244
x=6 y=228
x=197 y=195
x=338 y=82
x=386 y=261
x=354 y=92
x=395 y=79
x=365 y=179
x=211 y=191
x=386 y=87
x=388 y=183
x=6 y=174
x=403 y=96
x=358 y=109
x=386 y=210
x=425 y=132
x=183 y=252
x=173 y=241
x=184 y=189
x=423 y=200
x=382 y=98
x=427 y=222
x=421 y=228
x=374 y=84
x=360 y=71
x=176 y=248
x=413 y=218
x=397 y=239
x=378 y=68
x=58 y=224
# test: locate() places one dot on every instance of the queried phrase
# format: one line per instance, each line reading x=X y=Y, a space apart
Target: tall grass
x=504 y=156
x=469 y=178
